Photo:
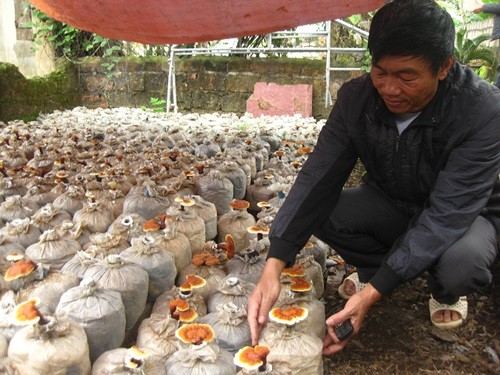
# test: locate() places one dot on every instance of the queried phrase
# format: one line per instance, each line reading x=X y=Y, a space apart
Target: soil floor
x=398 y=337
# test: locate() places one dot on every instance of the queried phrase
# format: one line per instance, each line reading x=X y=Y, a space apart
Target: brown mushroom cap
x=195 y=333
x=27 y=312
x=20 y=268
x=151 y=225
x=304 y=150
x=229 y=246
x=61 y=174
x=251 y=358
x=300 y=285
x=289 y=315
x=240 y=204
x=296 y=271
x=256 y=229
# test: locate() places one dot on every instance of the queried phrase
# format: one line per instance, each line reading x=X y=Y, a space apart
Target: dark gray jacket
x=442 y=168
x=494 y=9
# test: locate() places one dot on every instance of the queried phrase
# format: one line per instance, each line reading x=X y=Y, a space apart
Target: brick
x=277 y=100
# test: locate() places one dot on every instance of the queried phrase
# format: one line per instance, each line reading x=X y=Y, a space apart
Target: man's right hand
x=264 y=296
x=475 y=6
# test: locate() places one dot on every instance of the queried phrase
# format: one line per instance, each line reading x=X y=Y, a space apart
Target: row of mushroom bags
x=130 y=242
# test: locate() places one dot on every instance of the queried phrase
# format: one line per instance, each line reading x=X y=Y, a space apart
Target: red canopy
x=188 y=21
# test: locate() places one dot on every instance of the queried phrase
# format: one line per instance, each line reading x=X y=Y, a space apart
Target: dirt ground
x=398 y=337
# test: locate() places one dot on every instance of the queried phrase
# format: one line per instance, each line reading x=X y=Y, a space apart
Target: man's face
x=406 y=83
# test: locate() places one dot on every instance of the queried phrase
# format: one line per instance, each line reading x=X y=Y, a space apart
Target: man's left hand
x=355 y=309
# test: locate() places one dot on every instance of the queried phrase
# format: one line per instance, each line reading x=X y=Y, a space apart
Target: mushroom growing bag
x=235 y=223
x=94 y=216
x=216 y=188
x=203 y=359
x=49 y=290
x=48 y=217
x=190 y=224
x=295 y=346
x=178 y=245
x=148 y=204
x=53 y=249
x=247 y=265
x=130 y=280
x=57 y=348
x=100 y=312
x=157 y=335
x=158 y=263
x=196 y=301
x=231 y=289
x=230 y=326
x=207 y=211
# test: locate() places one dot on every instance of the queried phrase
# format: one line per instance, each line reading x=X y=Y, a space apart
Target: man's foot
x=446 y=316
x=350 y=286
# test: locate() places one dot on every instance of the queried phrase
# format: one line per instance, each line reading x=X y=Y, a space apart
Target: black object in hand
x=343 y=330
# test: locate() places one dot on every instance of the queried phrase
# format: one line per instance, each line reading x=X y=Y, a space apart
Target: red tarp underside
x=188 y=21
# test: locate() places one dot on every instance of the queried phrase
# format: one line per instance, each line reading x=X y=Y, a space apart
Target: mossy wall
x=204 y=84
x=25 y=99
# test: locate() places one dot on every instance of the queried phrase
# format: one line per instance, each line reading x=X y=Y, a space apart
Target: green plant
x=155 y=105
x=470 y=52
x=72 y=43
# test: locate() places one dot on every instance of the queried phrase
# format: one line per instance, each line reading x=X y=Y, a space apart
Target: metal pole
x=328 y=97
x=169 y=79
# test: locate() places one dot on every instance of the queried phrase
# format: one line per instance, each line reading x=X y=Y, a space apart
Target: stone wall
x=26 y=99
x=204 y=84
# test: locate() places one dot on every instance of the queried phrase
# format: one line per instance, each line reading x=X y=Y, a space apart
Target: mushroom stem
x=43 y=321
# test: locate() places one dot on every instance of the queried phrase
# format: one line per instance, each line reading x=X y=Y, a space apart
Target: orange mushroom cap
x=195 y=333
x=20 y=268
x=185 y=287
x=251 y=358
x=296 y=270
x=27 y=312
x=240 y=204
x=300 y=285
x=188 y=316
x=289 y=315
x=196 y=281
x=178 y=305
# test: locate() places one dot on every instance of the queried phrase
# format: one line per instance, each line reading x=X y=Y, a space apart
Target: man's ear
x=443 y=71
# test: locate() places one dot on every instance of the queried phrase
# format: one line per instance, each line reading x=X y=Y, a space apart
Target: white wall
x=20 y=52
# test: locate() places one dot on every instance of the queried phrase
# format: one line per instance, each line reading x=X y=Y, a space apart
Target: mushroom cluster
x=169 y=213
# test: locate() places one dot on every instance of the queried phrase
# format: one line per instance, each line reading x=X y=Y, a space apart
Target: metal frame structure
x=171 y=97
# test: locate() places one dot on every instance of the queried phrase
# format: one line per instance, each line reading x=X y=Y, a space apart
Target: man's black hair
x=419 y=28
